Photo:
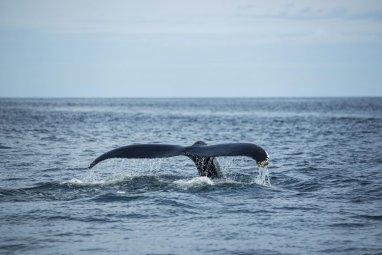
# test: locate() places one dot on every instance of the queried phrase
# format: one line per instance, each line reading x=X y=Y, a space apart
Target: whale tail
x=203 y=155
x=207 y=166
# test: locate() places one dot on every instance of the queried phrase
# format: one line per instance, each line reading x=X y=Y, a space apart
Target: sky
x=199 y=48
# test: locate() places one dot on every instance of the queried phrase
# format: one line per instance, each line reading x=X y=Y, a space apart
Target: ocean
x=321 y=193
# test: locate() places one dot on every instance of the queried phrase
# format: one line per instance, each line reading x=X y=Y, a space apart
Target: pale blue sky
x=155 y=48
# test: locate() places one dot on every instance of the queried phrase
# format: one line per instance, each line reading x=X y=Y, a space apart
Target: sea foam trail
x=194 y=182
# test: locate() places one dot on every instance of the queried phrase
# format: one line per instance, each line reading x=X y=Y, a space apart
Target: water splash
x=116 y=170
x=234 y=167
x=74 y=181
x=196 y=182
x=236 y=170
x=241 y=170
x=263 y=177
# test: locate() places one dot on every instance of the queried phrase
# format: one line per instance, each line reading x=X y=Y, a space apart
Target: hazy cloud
x=270 y=21
x=190 y=48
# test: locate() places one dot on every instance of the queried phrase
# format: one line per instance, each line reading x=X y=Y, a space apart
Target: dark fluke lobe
x=202 y=154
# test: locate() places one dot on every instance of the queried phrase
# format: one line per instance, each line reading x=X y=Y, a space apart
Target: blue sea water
x=324 y=195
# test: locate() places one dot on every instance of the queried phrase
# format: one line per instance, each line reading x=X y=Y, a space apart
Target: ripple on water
x=324 y=197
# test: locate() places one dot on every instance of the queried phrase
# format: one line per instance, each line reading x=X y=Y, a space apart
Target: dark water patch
x=51 y=216
x=307 y=186
x=348 y=225
x=342 y=181
x=91 y=250
x=53 y=138
x=72 y=234
x=304 y=167
x=249 y=211
x=18 y=247
x=13 y=195
x=51 y=169
x=355 y=119
x=301 y=208
x=22 y=165
x=119 y=197
x=45 y=191
x=88 y=218
x=364 y=198
x=23 y=244
x=131 y=215
x=297 y=184
x=369 y=217
x=173 y=202
x=15 y=179
x=243 y=251
x=350 y=250
x=297 y=153
x=366 y=193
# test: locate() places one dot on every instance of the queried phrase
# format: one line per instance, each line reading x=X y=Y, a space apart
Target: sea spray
x=196 y=182
x=263 y=177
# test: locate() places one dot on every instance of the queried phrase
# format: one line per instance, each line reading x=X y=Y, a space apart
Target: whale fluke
x=202 y=154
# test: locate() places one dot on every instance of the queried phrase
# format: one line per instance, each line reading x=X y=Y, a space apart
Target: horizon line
x=178 y=97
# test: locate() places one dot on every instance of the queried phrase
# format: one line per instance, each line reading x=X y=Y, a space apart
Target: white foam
x=78 y=182
x=194 y=182
x=73 y=181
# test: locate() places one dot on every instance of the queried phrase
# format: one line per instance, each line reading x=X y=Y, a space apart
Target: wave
x=121 y=187
x=119 y=196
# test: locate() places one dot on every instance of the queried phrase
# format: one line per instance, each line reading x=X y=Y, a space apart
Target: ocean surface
x=321 y=194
